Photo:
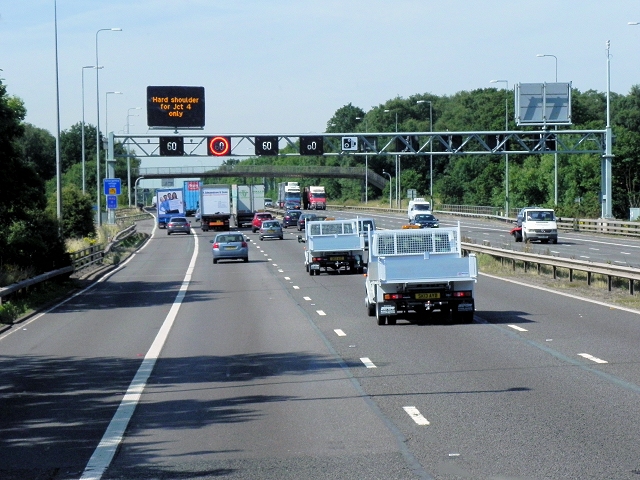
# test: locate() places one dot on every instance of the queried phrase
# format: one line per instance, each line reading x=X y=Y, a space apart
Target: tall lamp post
x=98 y=122
x=136 y=188
x=129 y=160
x=397 y=166
x=83 y=152
x=506 y=152
x=555 y=155
x=385 y=173
x=106 y=125
x=430 y=150
x=366 y=166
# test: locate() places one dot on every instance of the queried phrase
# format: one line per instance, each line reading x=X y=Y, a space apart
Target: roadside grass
x=598 y=290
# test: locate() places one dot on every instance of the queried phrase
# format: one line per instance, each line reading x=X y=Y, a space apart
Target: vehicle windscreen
x=540 y=216
x=422 y=206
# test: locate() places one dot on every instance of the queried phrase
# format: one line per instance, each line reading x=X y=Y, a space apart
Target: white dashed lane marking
x=367 y=362
x=592 y=358
x=416 y=416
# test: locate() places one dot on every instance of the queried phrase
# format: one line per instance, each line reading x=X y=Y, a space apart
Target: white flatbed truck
x=419 y=270
x=333 y=245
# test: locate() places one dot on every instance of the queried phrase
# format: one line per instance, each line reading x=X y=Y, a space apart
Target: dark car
x=178 y=224
x=292 y=205
x=425 y=220
x=291 y=218
x=304 y=218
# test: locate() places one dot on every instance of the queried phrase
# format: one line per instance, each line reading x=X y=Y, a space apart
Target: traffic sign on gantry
x=175 y=107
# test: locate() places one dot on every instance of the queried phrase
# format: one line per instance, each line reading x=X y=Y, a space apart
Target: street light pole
x=397 y=166
x=136 y=188
x=430 y=150
x=98 y=123
x=385 y=173
x=106 y=128
x=83 y=152
x=555 y=155
x=129 y=160
x=366 y=166
x=506 y=152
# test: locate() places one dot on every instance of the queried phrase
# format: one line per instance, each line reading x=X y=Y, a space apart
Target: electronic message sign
x=218 y=146
x=267 y=145
x=171 y=146
x=175 y=107
x=313 y=145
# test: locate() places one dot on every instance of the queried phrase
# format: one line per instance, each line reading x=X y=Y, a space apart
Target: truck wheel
x=554 y=241
x=461 y=317
x=306 y=266
x=371 y=307
x=381 y=320
x=215 y=261
x=391 y=320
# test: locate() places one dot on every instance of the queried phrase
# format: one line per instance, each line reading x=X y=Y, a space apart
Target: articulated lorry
x=314 y=198
x=245 y=201
x=289 y=195
x=191 y=196
x=333 y=245
x=169 y=203
x=215 y=207
x=419 y=270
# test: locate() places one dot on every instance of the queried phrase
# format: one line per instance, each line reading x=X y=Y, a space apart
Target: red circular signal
x=219 y=146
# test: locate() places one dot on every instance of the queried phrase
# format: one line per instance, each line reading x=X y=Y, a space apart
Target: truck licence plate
x=427 y=296
x=336 y=259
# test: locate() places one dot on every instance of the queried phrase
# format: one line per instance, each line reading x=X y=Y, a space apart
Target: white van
x=418 y=205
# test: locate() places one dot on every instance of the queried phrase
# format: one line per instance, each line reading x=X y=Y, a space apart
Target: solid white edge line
x=106 y=449
x=416 y=416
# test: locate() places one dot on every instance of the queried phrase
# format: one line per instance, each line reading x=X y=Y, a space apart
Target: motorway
x=172 y=367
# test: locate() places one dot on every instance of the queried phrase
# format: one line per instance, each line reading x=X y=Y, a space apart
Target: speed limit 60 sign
x=267 y=145
x=171 y=146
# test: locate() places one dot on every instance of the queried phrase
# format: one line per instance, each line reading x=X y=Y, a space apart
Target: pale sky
x=285 y=66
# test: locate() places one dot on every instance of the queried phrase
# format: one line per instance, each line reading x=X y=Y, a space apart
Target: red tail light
x=244 y=244
x=216 y=245
x=465 y=293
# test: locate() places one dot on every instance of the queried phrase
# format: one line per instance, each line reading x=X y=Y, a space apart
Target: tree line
x=33 y=238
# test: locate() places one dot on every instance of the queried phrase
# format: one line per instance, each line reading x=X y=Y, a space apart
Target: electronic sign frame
x=171 y=146
x=267 y=145
x=175 y=107
x=312 y=145
x=219 y=146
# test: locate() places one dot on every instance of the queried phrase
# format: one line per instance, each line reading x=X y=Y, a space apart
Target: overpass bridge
x=273 y=171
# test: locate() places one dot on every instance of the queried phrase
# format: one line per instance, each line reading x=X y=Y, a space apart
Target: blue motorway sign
x=112 y=202
x=111 y=186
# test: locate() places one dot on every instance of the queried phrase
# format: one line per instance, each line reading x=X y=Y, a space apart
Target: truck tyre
x=554 y=241
x=306 y=266
x=371 y=307
x=381 y=320
x=461 y=317
x=215 y=261
x=391 y=320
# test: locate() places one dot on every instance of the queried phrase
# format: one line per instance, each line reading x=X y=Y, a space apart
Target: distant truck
x=419 y=270
x=314 y=198
x=215 y=207
x=536 y=223
x=417 y=205
x=333 y=245
x=289 y=195
x=245 y=201
x=191 y=196
x=169 y=203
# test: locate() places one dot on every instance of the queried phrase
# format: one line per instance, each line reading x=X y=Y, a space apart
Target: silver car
x=229 y=246
x=271 y=229
x=178 y=224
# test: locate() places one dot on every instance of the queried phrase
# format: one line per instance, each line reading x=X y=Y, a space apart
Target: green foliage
x=77 y=212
